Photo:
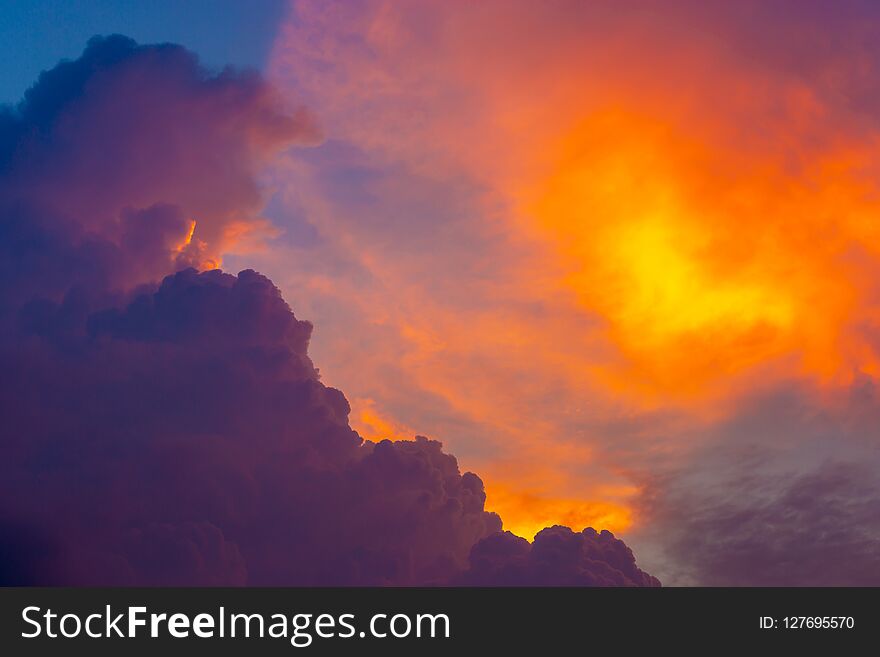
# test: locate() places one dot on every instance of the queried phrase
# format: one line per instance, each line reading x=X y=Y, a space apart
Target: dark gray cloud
x=785 y=493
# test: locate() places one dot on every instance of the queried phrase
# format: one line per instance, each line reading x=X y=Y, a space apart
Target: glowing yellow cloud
x=703 y=265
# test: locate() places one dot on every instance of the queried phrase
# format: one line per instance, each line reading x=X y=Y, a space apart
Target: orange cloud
x=663 y=209
x=703 y=263
x=526 y=513
x=373 y=424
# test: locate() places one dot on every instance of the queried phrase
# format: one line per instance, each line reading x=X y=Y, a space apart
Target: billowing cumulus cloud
x=557 y=557
x=112 y=165
x=185 y=437
x=162 y=420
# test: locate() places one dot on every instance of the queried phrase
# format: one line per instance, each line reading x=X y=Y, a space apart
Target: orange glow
x=374 y=425
x=664 y=224
x=526 y=513
x=702 y=264
x=188 y=238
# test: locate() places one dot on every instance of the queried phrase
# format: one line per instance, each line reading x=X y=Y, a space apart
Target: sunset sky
x=620 y=259
x=591 y=249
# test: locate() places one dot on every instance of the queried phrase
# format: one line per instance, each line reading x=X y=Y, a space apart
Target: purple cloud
x=177 y=432
x=557 y=557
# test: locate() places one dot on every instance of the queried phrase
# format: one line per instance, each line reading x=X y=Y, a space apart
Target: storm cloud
x=162 y=420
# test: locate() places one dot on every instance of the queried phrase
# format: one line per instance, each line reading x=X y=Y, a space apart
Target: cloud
x=557 y=557
x=820 y=528
x=784 y=493
x=635 y=217
x=165 y=425
x=190 y=424
x=98 y=141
